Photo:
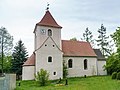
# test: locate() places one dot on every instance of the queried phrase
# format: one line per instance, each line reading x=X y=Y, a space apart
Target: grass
x=78 y=83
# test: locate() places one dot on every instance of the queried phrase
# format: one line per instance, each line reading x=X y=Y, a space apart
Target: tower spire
x=47 y=6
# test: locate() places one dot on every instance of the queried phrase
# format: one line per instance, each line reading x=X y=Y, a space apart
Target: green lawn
x=89 y=83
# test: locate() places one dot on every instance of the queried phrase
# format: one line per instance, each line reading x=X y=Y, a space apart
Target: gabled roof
x=48 y=20
x=77 y=48
x=99 y=54
x=30 y=61
x=69 y=48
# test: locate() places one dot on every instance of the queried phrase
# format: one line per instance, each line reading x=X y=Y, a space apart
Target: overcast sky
x=20 y=17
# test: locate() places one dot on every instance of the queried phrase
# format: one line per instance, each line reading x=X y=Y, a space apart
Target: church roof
x=77 y=48
x=69 y=48
x=48 y=20
x=30 y=61
x=99 y=54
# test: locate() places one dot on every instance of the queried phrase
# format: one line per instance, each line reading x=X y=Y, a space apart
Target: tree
x=6 y=44
x=113 y=61
x=7 y=64
x=65 y=70
x=103 y=41
x=42 y=77
x=19 y=56
x=87 y=36
x=74 y=39
x=112 y=64
x=116 y=38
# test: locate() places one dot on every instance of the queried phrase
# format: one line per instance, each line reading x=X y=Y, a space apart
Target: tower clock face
x=43 y=31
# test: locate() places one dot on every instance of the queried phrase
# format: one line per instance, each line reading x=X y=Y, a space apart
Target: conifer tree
x=87 y=36
x=19 y=56
x=103 y=41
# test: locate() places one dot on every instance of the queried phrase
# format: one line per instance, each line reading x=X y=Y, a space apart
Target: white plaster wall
x=101 y=70
x=40 y=38
x=28 y=72
x=78 y=66
x=42 y=59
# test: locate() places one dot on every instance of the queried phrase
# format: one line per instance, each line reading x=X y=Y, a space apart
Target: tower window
x=70 y=63
x=85 y=64
x=53 y=45
x=49 y=32
x=54 y=73
x=49 y=59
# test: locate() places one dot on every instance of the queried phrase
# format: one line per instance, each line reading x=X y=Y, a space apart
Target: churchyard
x=78 y=83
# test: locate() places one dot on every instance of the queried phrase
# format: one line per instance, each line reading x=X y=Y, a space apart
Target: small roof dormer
x=48 y=20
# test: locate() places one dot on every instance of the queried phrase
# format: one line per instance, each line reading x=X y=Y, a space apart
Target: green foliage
x=6 y=44
x=118 y=76
x=113 y=61
x=116 y=38
x=114 y=75
x=74 y=39
x=103 y=41
x=87 y=36
x=6 y=64
x=65 y=70
x=113 y=64
x=42 y=77
x=19 y=56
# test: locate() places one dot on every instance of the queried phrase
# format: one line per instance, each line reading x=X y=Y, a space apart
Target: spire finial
x=47 y=6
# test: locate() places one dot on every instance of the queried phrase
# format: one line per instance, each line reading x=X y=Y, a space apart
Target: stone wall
x=8 y=82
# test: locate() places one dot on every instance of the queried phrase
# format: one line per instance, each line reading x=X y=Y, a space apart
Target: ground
x=78 y=83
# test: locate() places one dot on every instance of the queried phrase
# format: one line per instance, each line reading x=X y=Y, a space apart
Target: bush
x=114 y=75
x=42 y=77
x=65 y=70
x=118 y=76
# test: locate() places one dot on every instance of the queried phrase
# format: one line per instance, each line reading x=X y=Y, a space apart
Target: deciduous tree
x=6 y=44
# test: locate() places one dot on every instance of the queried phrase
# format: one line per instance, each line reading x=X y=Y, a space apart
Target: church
x=50 y=52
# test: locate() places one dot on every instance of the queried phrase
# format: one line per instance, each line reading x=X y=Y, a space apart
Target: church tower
x=48 y=51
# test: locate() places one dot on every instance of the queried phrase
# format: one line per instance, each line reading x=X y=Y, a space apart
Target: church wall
x=78 y=66
x=101 y=68
x=28 y=72
x=42 y=59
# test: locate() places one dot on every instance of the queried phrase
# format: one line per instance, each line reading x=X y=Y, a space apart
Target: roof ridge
x=75 y=41
x=48 y=20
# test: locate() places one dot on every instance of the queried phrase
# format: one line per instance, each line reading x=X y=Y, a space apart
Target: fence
x=8 y=82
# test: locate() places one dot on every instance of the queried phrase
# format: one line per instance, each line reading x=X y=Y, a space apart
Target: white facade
x=49 y=46
x=78 y=66
x=101 y=68
x=28 y=73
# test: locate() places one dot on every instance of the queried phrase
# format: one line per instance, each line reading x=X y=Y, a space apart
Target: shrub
x=114 y=75
x=42 y=77
x=118 y=76
x=65 y=70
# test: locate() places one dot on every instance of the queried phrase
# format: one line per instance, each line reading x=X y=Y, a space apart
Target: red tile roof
x=77 y=48
x=69 y=48
x=30 y=61
x=48 y=20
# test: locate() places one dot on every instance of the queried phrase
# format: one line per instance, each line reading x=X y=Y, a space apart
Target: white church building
x=50 y=51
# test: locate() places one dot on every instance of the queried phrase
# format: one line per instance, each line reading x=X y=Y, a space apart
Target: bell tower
x=47 y=44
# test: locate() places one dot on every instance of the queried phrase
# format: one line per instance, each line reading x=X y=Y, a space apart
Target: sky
x=19 y=17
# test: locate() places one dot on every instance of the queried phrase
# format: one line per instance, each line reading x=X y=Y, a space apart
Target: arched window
x=70 y=63
x=85 y=64
x=49 y=59
x=49 y=32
